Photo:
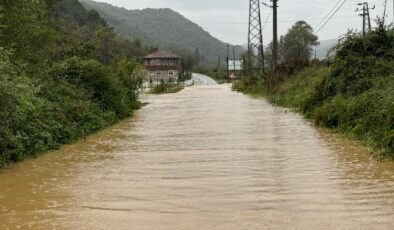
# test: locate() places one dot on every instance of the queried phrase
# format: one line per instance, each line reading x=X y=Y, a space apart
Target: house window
x=170 y=62
x=157 y=61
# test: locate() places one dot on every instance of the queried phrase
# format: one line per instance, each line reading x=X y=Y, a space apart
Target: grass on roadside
x=166 y=88
x=368 y=116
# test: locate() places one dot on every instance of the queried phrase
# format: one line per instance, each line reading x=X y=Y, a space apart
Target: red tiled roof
x=162 y=54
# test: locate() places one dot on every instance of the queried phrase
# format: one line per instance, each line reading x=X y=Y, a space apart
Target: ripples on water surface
x=205 y=158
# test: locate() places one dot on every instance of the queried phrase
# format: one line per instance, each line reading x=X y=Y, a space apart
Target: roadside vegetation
x=164 y=88
x=219 y=76
x=354 y=96
x=63 y=75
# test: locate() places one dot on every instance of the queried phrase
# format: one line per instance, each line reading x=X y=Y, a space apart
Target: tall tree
x=296 y=46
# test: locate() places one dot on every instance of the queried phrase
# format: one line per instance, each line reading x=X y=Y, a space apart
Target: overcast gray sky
x=228 y=19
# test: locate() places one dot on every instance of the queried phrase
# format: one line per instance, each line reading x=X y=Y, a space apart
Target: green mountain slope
x=164 y=29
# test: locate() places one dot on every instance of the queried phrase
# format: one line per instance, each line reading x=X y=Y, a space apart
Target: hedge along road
x=205 y=158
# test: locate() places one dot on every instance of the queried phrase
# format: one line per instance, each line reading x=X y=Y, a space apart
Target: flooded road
x=205 y=158
x=200 y=79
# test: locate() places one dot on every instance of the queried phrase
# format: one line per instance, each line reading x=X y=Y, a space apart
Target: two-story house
x=162 y=65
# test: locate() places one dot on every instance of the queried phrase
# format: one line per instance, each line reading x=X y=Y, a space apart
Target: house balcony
x=161 y=67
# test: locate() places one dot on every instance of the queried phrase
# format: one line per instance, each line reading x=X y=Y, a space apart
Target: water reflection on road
x=205 y=158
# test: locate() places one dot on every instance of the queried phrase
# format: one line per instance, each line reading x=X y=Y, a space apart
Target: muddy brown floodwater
x=205 y=158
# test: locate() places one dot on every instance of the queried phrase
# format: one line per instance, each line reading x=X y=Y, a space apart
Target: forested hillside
x=164 y=29
x=63 y=75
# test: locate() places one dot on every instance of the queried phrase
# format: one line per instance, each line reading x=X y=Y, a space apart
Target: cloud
x=228 y=19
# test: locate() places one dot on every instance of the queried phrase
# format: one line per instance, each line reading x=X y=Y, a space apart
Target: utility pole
x=234 y=59
x=227 y=59
x=218 y=70
x=369 y=18
x=255 y=38
x=364 y=22
x=384 y=12
x=366 y=17
x=275 y=34
x=315 y=53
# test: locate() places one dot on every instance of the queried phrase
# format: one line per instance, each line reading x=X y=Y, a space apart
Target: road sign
x=235 y=65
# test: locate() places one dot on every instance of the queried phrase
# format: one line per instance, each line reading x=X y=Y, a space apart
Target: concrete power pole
x=275 y=34
x=369 y=17
x=255 y=37
x=366 y=17
x=234 y=59
x=227 y=67
x=384 y=12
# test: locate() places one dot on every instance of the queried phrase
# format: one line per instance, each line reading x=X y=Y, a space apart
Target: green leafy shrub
x=355 y=96
x=166 y=88
x=63 y=75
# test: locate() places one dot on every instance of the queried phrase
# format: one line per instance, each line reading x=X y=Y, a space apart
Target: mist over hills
x=322 y=50
x=164 y=29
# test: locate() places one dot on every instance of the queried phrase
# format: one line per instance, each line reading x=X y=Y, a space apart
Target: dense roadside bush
x=76 y=98
x=355 y=96
x=163 y=88
x=112 y=91
x=63 y=75
x=358 y=96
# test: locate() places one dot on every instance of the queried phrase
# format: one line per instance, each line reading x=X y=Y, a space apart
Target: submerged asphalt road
x=204 y=158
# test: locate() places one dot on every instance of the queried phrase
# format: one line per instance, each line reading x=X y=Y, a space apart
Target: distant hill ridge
x=164 y=29
x=323 y=49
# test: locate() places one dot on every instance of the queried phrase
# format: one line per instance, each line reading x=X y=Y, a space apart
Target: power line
x=274 y=32
x=332 y=15
x=279 y=21
x=266 y=21
x=329 y=13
